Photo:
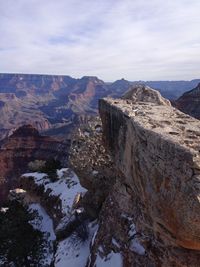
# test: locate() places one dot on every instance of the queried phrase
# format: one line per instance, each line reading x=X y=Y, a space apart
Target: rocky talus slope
x=156 y=148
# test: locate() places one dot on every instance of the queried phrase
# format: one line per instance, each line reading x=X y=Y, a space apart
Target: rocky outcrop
x=143 y=93
x=189 y=102
x=156 y=147
x=23 y=146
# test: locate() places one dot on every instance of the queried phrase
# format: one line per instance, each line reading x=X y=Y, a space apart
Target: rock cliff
x=189 y=102
x=156 y=147
x=23 y=146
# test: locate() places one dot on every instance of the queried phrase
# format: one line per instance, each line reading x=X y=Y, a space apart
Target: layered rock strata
x=156 y=147
x=23 y=146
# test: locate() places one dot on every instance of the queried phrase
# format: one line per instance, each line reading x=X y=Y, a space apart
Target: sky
x=111 y=39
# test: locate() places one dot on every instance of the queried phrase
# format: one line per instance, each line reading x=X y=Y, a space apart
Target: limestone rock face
x=156 y=147
x=144 y=93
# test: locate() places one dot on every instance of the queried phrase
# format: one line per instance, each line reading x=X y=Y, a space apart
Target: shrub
x=36 y=165
x=51 y=166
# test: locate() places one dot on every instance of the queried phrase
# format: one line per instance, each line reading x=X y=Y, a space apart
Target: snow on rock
x=94 y=236
x=66 y=187
x=44 y=223
x=112 y=259
x=114 y=242
x=132 y=230
x=135 y=245
x=4 y=209
x=74 y=252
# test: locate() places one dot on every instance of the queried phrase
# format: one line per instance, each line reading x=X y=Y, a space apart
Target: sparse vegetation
x=49 y=167
x=36 y=165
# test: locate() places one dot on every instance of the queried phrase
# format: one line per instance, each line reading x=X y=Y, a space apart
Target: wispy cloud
x=137 y=39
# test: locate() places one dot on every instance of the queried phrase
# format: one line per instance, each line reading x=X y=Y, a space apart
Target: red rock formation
x=23 y=146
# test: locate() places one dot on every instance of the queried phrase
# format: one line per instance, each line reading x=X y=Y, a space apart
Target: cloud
x=111 y=39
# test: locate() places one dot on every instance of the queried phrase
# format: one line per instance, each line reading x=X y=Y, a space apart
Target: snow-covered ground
x=72 y=251
x=45 y=224
x=111 y=260
x=135 y=245
x=66 y=187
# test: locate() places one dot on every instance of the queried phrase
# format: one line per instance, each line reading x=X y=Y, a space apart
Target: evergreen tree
x=20 y=243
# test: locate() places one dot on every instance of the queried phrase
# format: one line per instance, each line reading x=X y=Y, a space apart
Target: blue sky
x=111 y=39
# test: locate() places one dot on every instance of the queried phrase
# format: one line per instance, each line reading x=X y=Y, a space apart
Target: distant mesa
x=121 y=85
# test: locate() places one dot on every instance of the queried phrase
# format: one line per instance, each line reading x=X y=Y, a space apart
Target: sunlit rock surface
x=156 y=147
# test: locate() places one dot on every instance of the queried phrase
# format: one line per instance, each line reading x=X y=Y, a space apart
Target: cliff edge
x=156 y=147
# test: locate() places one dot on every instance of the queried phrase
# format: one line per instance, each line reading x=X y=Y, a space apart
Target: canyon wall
x=156 y=147
x=23 y=146
x=189 y=102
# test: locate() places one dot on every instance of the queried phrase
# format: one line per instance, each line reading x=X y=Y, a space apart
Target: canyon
x=138 y=167
x=23 y=146
x=53 y=104
x=138 y=191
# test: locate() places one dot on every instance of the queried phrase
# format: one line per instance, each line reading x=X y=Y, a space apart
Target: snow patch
x=115 y=243
x=4 y=209
x=73 y=252
x=112 y=259
x=132 y=230
x=44 y=223
x=136 y=247
x=66 y=187
x=94 y=236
